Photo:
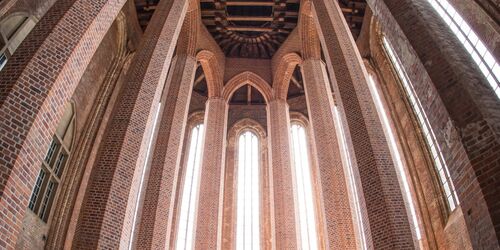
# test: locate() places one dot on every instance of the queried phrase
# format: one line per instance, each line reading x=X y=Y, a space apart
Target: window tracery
x=53 y=165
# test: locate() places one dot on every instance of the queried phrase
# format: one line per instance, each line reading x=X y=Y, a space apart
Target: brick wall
x=42 y=76
x=466 y=122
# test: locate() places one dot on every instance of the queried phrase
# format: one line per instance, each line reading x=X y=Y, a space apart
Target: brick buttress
x=209 y=218
x=156 y=226
x=278 y=118
x=108 y=208
x=384 y=208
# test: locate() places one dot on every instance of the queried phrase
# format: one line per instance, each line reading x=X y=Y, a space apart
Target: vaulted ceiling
x=250 y=28
x=253 y=28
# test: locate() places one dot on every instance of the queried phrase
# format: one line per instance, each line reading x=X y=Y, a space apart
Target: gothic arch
x=211 y=68
x=187 y=43
x=311 y=46
x=251 y=78
x=283 y=74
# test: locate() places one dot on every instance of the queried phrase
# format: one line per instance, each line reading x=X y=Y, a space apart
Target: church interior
x=250 y=124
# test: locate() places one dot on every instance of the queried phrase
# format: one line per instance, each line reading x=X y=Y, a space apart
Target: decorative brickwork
x=42 y=76
x=456 y=98
x=283 y=74
x=78 y=162
x=283 y=210
x=250 y=78
x=123 y=186
x=106 y=222
x=156 y=221
x=386 y=214
x=209 y=218
x=332 y=182
x=213 y=73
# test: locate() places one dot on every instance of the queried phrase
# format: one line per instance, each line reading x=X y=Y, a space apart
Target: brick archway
x=284 y=73
x=211 y=68
x=251 y=78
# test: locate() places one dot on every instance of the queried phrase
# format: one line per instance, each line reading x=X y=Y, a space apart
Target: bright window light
x=185 y=232
x=136 y=209
x=3 y=60
x=304 y=191
x=248 y=218
x=430 y=137
x=352 y=181
x=394 y=148
x=476 y=48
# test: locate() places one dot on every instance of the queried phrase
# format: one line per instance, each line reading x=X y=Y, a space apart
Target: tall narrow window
x=304 y=189
x=248 y=205
x=430 y=137
x=53 y=165
x=476 y=48
x=394 y=148
x=141 y=185
x=185 y=233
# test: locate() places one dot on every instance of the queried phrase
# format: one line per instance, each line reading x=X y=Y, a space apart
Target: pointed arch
x=211 y=68
x=284 y=73
x=188 y=36
x=251 y=78
x=311 y=46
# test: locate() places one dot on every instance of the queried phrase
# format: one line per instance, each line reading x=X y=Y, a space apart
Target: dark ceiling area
x=253 y=28
x=250 y=28
x=145 y=10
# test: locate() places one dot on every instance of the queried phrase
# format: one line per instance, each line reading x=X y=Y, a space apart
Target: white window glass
x=476 y=48
x=3 y=60
x=52 y=168
x=352 y=180
x=304 y=189
x=248 y=210
x=439 y=162
x=141 y=185
x=394 y=148
x=185 y=232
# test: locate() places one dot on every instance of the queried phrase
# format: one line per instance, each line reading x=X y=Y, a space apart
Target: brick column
x=384 y=210
x=35 y=86
x=109 y=204
x=155 y=227
x=278 y=123
x=209 y=218
x=460 y=105
x=333 y=184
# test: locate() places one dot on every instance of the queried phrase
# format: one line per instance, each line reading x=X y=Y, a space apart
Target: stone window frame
x=53 y=169
x=6 y=51
x=230 y=183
